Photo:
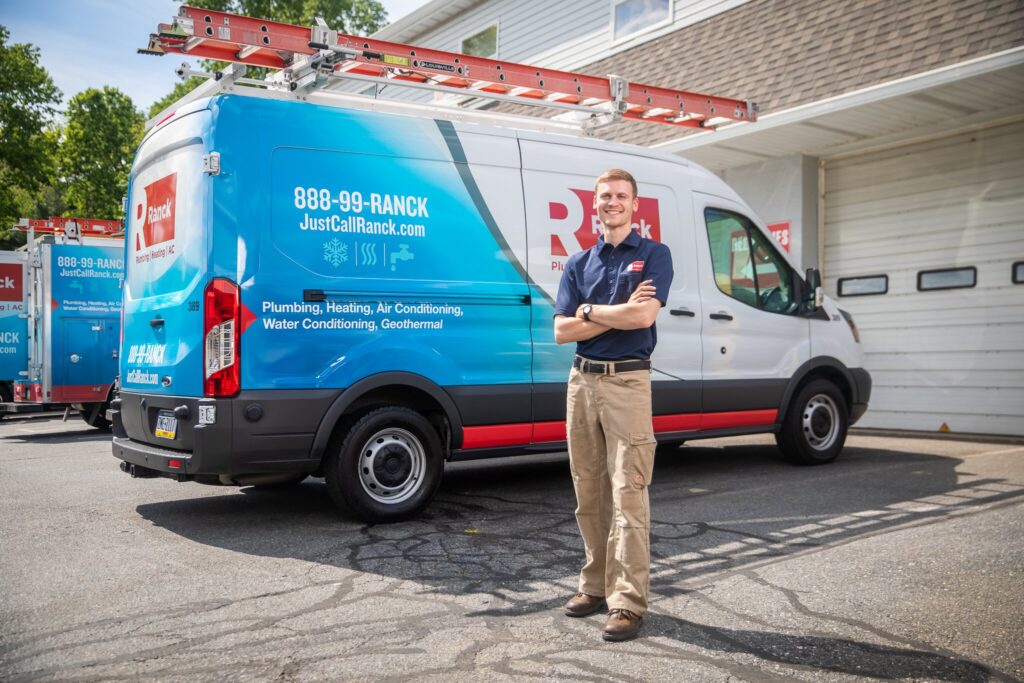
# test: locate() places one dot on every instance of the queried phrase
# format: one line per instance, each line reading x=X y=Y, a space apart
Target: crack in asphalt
x=489 y=573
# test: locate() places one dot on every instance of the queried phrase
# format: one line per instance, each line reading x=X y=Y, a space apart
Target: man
x=607 y=302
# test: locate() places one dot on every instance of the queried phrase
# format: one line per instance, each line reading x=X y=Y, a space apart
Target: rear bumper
x=861 y=393
x=255 y=432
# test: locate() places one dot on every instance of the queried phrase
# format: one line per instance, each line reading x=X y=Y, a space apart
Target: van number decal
x=377 y=204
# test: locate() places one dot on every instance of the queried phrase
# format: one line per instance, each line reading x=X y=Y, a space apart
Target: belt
x=609 y=367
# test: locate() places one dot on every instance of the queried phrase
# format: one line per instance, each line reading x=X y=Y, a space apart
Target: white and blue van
x=362 y=295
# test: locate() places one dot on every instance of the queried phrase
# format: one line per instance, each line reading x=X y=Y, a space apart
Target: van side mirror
x=815 y=295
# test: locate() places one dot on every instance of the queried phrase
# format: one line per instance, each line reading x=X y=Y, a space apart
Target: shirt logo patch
x=635 y=267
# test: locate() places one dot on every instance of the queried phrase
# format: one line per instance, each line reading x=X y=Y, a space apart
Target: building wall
x=784 y=190
x=562 y=35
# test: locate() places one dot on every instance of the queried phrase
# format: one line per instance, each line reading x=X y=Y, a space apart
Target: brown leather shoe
x=621 y=625
x=582 y=605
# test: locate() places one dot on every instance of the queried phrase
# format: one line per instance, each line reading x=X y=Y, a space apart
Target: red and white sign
x=646 y=221
x=156 y=211
x=636 y=267
x=11 y=283
x=780 y=231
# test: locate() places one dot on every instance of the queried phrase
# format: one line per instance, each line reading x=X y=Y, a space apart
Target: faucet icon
x=403 y=254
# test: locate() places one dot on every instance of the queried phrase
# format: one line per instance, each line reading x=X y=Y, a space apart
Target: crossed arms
x=638 y=312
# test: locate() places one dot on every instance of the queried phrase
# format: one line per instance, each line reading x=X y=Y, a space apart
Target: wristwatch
x=586 y=311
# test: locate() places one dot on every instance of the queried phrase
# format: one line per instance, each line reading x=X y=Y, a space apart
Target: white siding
x=562 y=35
x=951 y=356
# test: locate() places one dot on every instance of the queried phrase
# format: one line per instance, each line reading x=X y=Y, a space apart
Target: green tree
x=181 y=88
x=361 y=17
x=102 y=131
x=28 y=101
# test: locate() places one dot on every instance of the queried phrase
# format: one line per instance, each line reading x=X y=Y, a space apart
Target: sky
x=92 y=43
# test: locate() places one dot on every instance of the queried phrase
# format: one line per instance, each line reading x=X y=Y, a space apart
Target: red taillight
x=174 y=464
x=221 y=344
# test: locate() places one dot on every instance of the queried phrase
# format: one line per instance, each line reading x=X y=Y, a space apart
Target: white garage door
x=952 y=356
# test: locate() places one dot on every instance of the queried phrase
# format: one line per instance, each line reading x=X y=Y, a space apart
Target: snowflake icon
x=335 y=252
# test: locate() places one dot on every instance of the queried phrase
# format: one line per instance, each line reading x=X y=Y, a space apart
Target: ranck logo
x=577 y=224
x=10 y=282
x=157 y=213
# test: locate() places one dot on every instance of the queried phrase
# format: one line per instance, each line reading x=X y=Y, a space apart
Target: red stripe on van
x=523 y=433
x=677 y=423
x=494 y=436
x=741 y=418
x=548 y=431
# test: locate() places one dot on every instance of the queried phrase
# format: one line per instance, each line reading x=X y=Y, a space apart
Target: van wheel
x=387 y=467
x=814 y=430
x=6 y=396
x=95 y=415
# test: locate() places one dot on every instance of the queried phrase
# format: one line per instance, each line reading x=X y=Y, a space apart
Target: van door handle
x=682 y=311
x=156 y=322
x=721 y=316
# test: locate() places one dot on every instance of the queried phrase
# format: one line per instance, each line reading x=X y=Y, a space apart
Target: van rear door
x=165 y=262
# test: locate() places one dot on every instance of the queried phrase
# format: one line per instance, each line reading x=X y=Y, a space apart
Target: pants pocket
x=641 y=460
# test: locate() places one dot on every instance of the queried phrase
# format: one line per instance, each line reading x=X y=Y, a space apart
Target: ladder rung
x=89 y=227
x=246 y=40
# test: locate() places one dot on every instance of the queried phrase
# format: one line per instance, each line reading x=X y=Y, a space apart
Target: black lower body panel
x=861 y=393
x=255 y=432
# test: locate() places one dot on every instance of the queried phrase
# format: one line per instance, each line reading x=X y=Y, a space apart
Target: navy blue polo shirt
x=605 y=274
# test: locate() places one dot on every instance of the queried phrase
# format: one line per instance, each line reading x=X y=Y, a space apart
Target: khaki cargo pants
x=611 y=453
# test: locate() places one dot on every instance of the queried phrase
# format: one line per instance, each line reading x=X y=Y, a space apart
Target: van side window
x=747 y=266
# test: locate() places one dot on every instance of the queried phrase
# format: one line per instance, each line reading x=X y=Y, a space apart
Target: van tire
x=386 y=467
x=814 y=429
x=6 y=396
x=95 y=414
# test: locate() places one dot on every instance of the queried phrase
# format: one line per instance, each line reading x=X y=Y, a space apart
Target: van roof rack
x=309 y=58
x=72 y=228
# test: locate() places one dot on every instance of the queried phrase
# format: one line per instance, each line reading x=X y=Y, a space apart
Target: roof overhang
x=974 y=94
x=423 y=19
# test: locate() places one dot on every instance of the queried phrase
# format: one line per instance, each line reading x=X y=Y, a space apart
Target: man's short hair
x=617 y=174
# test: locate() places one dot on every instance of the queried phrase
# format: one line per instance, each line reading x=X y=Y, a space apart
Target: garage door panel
x=953 y=339
x=952 y=400
x=906 y=312
x=932 y=422
x=974 y=242
x=954 y=361
x=954 y=356
x=932 y=191
x=918 y=318
x=994 y=145
x=927 y=378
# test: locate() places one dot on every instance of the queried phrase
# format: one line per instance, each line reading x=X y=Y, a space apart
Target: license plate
x=166 y=424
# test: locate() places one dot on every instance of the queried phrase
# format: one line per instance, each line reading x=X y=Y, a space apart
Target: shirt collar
x=632 y=240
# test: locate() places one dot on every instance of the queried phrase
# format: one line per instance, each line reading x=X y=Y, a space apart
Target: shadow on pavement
x=506 y=528
x=73 y=433
x=830 y=654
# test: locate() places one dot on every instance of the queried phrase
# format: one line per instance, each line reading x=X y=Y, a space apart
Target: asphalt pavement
x=902 y=560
